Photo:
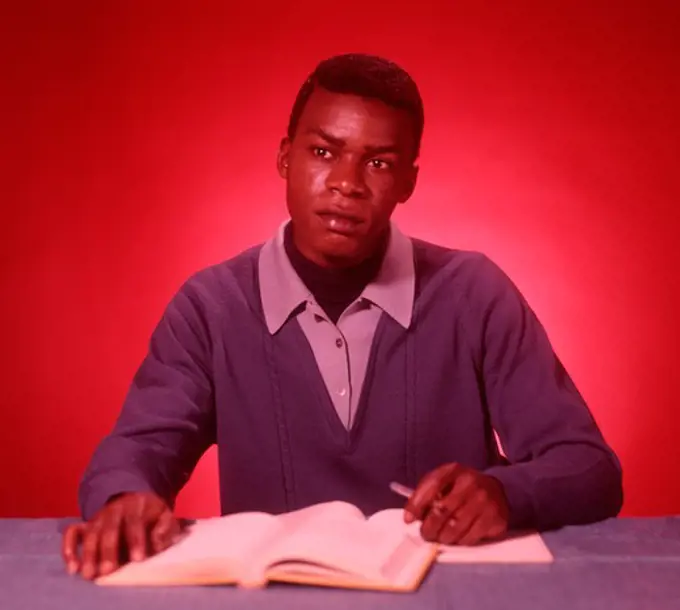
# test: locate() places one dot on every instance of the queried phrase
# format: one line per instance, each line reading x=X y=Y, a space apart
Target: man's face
x=349 y=164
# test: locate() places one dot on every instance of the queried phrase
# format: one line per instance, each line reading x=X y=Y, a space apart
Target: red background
x=140 y=146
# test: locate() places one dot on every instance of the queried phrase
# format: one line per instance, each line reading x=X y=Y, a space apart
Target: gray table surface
x=620 y=564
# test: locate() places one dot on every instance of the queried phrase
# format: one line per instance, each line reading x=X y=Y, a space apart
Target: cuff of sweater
x=94 y=494
x=521 y=509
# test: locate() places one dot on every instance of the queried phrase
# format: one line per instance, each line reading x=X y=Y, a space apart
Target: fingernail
x=72 y=567
x=136 y=555
x=105 y=567
x=408 y=517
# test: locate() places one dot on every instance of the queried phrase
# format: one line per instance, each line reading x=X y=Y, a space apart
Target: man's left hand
x=458 y=505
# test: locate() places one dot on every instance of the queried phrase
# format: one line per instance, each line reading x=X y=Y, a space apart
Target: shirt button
x=342 y=391
x=338 y=342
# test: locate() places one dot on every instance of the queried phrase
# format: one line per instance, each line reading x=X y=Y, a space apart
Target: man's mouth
x=342 y=224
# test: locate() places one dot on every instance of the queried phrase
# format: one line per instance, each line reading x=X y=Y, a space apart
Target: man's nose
x=347 y=178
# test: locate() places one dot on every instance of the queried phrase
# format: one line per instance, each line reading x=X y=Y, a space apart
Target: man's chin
x=342 y=250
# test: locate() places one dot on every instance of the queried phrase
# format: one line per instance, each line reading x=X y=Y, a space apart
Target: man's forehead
x=349 y=116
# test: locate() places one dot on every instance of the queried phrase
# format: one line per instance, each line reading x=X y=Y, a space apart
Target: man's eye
x=321 y=152
x=379 y=164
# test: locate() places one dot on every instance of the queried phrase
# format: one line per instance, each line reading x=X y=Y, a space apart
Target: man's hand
x=458 y=505
x=129 y=528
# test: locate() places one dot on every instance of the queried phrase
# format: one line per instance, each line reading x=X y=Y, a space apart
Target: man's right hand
x=131 y=527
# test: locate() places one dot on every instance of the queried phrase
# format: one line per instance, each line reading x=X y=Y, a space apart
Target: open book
x=330 y=544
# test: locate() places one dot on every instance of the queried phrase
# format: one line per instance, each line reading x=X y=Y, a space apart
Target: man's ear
x=282 y=158
x=409 y=184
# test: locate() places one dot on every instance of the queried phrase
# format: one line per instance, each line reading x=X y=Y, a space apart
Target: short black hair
x=367 y=76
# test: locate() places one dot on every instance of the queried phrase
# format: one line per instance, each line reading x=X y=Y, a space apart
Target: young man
x=342 y=355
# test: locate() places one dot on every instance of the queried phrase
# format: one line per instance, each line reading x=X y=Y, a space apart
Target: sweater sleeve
x=561 y=471
x=167 y=419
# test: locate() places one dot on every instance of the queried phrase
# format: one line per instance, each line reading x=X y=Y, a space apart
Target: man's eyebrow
x=317 y=131
x=373 y=150
x=381 y=150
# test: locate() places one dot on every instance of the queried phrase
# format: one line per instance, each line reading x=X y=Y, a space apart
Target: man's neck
x=334 y=288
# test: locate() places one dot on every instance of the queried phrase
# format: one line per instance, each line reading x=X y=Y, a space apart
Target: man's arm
x=167 y=420
x=561 y=470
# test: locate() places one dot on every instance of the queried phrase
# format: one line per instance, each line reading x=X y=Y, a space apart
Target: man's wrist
x=520 y=509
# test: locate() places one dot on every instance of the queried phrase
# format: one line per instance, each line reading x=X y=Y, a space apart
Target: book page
x=405 y=565
x=338 y=536
x=219 y=549
x=520 y=547
x=320 y=512
x=390 y=519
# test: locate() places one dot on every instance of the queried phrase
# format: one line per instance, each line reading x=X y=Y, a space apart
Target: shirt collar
x=282 y=291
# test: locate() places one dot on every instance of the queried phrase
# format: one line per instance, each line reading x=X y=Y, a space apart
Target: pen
x=401 y=490
x=406 y=492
